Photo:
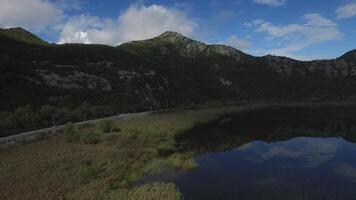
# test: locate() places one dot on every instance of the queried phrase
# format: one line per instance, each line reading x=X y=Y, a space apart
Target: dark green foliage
x=70 y=133
x=7 y=120
x=22 y=35
x=26 y=118
x=107 y=126
x=91 y=138
x=62 y=115
x=46 y=114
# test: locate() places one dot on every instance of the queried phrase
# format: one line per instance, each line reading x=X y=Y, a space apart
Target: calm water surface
x=299 y=168
x=266 y=155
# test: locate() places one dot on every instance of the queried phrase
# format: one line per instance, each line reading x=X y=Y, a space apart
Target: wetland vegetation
x=112 y=159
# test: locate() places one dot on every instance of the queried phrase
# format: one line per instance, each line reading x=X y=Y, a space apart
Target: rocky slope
x=166 y=71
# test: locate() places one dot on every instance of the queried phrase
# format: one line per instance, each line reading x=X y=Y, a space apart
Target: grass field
x=96 y=165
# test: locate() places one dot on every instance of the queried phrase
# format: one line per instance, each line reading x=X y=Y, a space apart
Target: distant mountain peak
x=181 y=45
x=170 y=34
x=174 y=37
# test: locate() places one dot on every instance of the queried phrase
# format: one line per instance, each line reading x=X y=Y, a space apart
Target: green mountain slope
x=22 y=35
x=166 y=71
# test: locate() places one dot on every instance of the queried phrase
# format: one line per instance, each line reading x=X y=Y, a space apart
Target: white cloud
x=347 y=10
x=238 y=43
x=87 y=29
x=316 y=20
x=136 y=23
x=70 y=4
x=274 y=3
x=34 y=15
x=295 y=37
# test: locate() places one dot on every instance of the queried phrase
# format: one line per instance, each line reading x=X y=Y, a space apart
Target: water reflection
x=263 y=155
x=346 y=170
x=310 y=151
x=299 y=168
x=272 y=125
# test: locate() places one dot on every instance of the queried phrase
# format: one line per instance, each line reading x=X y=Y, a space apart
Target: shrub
x=62 y=115
x=46 y=113
x=25 y=117
x=91 y=138
x=7 y=120
x=107 y=126
x=70 y=133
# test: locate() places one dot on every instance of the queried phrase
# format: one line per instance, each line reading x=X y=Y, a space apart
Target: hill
x=74 y=82
x=22 y=35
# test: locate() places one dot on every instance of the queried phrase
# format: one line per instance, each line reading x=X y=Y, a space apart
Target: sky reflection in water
x=299 y=168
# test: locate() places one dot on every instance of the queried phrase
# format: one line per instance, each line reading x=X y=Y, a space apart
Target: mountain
x=349 y=56
x=166 y=71
x=22 y=35
x=177 y=44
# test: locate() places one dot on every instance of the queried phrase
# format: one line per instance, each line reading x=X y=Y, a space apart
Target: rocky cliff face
x=169 y=70
x=340 y=67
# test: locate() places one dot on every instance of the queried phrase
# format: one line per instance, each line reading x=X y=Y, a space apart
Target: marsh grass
x=70 y=133
x=181 y=161
x=107 y=126
x=90 y=164
x=167 y=191
x=91 y=138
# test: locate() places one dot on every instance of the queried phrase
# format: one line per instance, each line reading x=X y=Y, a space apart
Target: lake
x=266 y=155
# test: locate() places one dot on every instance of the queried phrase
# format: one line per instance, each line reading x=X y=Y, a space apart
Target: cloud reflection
x=311 y=151
x=346 y=170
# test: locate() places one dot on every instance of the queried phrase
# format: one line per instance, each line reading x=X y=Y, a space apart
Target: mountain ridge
x=21 y=35
x=167 y=71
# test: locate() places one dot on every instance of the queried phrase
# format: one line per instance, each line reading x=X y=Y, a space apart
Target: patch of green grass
x=182 y=161
x=21 y=34
x=89 y=170
x=91 y=138
x=159 y=191
x=70 y=133
x=107 y=126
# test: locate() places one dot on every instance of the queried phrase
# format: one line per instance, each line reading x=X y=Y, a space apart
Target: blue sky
x=302 y=29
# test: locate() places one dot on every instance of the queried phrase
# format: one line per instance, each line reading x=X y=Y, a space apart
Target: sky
x=301 y=29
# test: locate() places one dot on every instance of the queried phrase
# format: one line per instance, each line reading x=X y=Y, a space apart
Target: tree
x=47 y=114
x=25 y=117
x=7 y=120
x=62 y=115
x=106 y=126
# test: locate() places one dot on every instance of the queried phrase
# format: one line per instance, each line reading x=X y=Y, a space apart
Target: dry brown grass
x=45 y=169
